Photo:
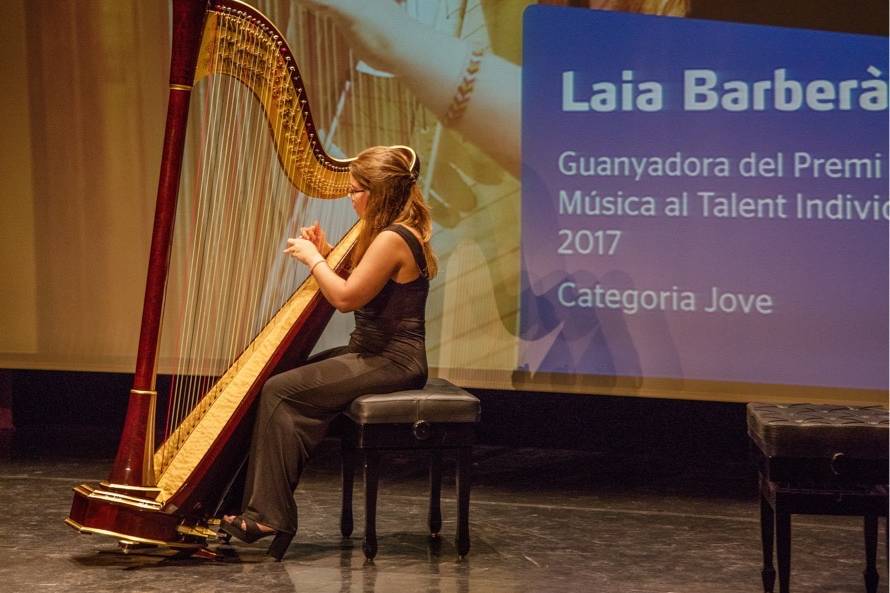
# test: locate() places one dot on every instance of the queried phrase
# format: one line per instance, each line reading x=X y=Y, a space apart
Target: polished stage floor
x=541 y=521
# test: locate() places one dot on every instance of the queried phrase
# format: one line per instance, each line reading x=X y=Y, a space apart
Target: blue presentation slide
x=704 y=200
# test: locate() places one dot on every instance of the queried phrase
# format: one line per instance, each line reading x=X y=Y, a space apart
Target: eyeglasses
x=352 y=191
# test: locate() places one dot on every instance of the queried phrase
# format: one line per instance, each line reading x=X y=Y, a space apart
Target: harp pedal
x=208 y=554
x=129 y=546
x=199 y=531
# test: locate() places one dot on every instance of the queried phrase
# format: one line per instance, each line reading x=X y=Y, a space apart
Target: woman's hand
x=304 y=251
x=316 y=235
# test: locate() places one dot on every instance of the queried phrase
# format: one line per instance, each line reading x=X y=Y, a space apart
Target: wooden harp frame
x=131 y=504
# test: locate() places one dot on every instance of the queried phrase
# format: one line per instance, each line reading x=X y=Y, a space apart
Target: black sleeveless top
x=392 y=323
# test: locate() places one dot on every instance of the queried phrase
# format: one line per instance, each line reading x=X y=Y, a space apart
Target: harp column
x=133 y=466
x=133 y=469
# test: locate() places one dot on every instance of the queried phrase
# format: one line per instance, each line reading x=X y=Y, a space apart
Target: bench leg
x=464 y=459
x=870 y=525
x=347 y=474
x=372 y=466
x=767 y=537
x=783 y=549
x=434 y=519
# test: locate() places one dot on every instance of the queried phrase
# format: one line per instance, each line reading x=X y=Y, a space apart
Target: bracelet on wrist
x=320 y=260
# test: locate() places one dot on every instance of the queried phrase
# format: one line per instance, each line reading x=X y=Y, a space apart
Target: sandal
x=251 y=532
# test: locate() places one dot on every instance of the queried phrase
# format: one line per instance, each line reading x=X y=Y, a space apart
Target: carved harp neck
x=240 y=42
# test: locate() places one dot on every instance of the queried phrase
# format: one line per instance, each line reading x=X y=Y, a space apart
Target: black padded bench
x=438 y=417
x=818 y=459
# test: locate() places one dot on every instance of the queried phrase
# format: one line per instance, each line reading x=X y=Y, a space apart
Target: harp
x=168 y=496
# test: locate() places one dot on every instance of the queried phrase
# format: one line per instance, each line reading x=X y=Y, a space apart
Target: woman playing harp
x=387 y=289
x=228 y=333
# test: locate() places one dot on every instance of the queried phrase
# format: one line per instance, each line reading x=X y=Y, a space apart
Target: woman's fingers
x=313 y=233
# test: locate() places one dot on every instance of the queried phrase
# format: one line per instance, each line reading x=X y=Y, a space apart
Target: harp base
x=136 y=523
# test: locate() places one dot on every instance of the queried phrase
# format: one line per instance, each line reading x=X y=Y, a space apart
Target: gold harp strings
x=188 y=378
x=193 y=370
x=239 y=216
x=257 y=193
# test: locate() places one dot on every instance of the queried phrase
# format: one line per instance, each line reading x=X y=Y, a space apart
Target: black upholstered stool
x=818 y=459
x=438 y=417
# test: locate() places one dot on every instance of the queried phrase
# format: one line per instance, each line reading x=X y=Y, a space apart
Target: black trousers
x=295 y=411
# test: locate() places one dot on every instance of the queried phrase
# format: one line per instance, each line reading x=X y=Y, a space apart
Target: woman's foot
x=245 y=529
x=248 y=531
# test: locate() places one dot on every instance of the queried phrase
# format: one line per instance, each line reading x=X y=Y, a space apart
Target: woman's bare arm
x=432 y=65
x=380 y=262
